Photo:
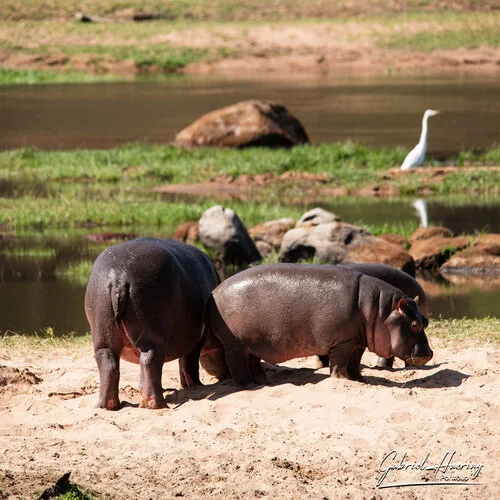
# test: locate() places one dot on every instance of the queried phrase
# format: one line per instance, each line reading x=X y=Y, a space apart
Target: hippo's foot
x=384 y=363
x=153 y=402
x=187 y=381
x=112 y=405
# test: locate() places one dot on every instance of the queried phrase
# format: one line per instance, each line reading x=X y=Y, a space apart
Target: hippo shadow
x=277 y=375
x=438 y=380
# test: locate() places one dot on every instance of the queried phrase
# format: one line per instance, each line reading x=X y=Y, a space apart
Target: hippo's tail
x=119 y=294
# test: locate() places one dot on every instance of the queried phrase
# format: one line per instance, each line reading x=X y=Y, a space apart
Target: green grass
x=44 y=340
x=32 y=77
x=86 y=188
x=479 y=332
x=485 y=33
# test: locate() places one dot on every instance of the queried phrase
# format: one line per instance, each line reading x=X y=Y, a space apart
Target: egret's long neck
x=423 y=135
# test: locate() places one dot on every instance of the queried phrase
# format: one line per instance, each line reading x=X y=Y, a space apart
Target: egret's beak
x=435 y=111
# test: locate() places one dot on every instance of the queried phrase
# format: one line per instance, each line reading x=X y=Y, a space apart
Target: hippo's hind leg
x=384 y=363
x=340 y=356
x=107 y=357
x=151 y=360
x=237 y=360
x=258 y=374
x=189 y=366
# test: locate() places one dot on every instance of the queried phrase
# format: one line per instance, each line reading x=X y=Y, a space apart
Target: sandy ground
x=305 y=436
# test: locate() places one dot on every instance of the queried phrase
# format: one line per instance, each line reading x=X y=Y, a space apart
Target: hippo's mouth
x=417 y=361
x=419 y=356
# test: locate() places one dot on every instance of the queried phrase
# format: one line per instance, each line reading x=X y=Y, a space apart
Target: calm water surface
x=374 y=111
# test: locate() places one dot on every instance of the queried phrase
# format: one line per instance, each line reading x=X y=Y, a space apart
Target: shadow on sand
x=279 y=375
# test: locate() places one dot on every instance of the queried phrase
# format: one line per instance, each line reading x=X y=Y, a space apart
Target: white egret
x=417 y=155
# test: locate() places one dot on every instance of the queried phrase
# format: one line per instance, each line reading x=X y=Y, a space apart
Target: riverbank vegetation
x=44 y=190
x=43 y=42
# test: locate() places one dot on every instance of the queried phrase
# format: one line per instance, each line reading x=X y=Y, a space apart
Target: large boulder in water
x=248 y=123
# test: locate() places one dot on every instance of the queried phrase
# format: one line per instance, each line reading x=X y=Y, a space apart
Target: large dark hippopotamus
x=406 y=283
x=278 y=312
x=145 y=302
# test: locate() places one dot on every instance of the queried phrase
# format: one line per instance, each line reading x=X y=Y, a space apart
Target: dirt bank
x=306 y=436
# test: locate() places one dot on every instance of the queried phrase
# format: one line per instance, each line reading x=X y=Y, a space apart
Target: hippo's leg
x=258 y=374
x=238 y=364
x=384 y=363
x=151 y=361
x=339 y=356
x=108 y=363
x=189 y=366
x=353 y=367
x=324 y=359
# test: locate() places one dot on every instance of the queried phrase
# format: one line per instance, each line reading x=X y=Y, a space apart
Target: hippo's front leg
x=151 y=361
x=354 y=366
x=108 y=363
x=344 y=360
x=384 y=363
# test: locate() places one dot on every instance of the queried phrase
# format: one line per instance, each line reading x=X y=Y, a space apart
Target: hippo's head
x=406 y=326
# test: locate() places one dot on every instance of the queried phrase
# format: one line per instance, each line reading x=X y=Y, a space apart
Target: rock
x=265 y=249
x=431 y=253
x=396 y=239
x=424 y=233
x=222 y=231
x=188 y=232
x=336 y=242
x=380 y=251
x=483 y=258
x=317 y=216
x=248 y=123
x=271 y=232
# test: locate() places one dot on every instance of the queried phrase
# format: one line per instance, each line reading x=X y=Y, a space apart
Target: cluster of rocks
x=321 y=235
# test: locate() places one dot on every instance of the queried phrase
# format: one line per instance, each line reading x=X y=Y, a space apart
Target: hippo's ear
x=417 y=299
x=403 y=303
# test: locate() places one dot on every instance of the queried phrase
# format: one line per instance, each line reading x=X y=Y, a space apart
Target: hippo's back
x=152 y=287
x=395 y=277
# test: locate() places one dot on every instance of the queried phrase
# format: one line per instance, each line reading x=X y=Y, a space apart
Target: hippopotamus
x=406 y=283
x=277 y=312
x=145 y=302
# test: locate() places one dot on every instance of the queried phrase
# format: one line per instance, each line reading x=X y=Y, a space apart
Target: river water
x=374 y=111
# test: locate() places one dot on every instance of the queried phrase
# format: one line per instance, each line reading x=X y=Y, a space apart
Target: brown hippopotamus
x=277 y=312
x=406 y=283
x=145 y=302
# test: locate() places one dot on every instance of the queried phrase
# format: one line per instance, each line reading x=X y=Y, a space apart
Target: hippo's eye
x=415 y=326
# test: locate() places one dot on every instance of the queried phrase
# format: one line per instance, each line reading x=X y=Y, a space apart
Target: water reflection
x=421 y=208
